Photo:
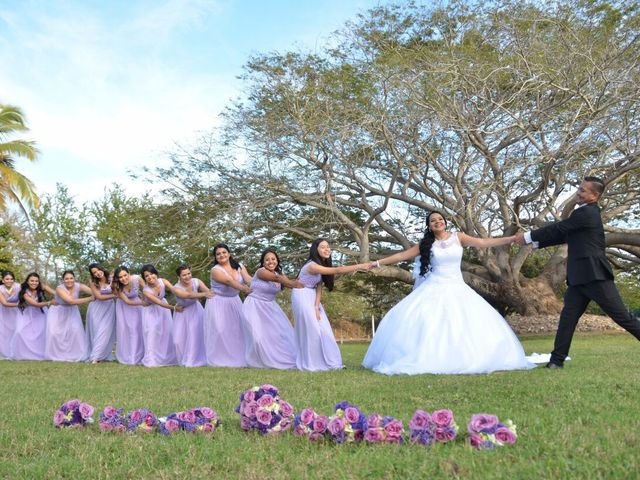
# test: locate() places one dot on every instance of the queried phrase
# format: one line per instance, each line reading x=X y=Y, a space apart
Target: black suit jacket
x=584 y=235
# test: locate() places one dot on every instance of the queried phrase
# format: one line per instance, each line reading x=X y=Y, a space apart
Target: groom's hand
x=519 y=240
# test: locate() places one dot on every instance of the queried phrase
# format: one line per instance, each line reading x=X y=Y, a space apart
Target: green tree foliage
x=13 y=185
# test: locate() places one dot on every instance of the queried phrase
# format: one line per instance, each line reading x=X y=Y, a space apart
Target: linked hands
x=519 y=239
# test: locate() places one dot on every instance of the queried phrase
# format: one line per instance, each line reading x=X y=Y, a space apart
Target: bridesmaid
x=157 y=325
x=9 y=291
x=188 y=331
x=270 y=342
x=101 y=316
x=223 y=333
x=65 y=338
x=129 y=307
x=316 y=346
x=29 y=340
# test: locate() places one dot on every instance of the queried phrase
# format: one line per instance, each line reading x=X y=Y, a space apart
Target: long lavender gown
x=29 y=340
x=65 y=339
x=101 y=327
x=129 y=343
x=8 y=321
x=270 y=342
x=157 y=331
x=223 y=333
x=188 y=330
x=316 y=345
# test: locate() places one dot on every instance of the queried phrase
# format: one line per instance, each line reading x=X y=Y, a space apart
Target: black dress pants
x=606 y=295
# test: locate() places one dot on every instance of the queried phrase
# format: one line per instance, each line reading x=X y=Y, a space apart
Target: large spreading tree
x=491 y=114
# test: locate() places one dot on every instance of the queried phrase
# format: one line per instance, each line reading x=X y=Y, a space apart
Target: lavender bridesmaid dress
x=101 y=327
x=65 y=339
x=317 y=347
x=8 y=321
x=270 y=342
x=188 y=331
x=129 y=343
x=223 y=333
x=157 y=331
x=29 y=340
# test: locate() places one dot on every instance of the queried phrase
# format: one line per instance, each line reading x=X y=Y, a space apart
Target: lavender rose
x=483 y=422
x=286 y=409
x=306 y=415
x=374 y=435
x=320 y=424
x=442 y=418
x=504 y=435
x=263 y=416
x=336 y=425
x=420 y=420
x=86 y=411
x=352 y=414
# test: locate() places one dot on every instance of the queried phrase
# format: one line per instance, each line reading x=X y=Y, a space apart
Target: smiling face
x=8 y=280
x=124 y=278
x=437 y=223
x=586 y=193
x=324 y=250
x=33 y=283
x=270 y=262
x=97 y=273
x=222 y=255
x=185 y=276
x=69 y=280
x=150 y=278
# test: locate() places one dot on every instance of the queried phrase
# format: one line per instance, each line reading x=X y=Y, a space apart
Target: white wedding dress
x=444 y=327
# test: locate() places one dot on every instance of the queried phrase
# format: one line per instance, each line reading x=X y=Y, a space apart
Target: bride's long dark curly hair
x=427 y=242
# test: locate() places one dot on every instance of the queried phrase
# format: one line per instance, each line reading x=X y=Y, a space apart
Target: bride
x=443 y=326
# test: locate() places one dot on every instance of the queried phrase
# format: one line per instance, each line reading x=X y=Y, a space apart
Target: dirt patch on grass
x=345 y=330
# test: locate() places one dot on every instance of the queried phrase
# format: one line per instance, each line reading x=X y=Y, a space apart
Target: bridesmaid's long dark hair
x=314 y=256
x=116 y=286
x=22 y=303
x=426 y=243
x=278 y=267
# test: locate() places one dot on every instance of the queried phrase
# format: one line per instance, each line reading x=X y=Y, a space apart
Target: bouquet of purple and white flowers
x=487 y=431
x=141 y=420
x=381 y=429
x=348 y=423
x=73 y=413
x=262 y=409
x=426 y=428
x=112 y=419
x=199 y=419
x=311 y=425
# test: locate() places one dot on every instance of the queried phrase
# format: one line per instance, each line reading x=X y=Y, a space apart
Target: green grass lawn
x=581 y=422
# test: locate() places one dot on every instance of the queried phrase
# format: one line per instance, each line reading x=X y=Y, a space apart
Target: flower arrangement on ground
x=311 y=425
x=426 y=428
x=347 y=424
x=112 y=419
x=379 y=429
x=73 y=413
x=195 y=420
x=487 y=431
x=262 y=409
x=141 y=420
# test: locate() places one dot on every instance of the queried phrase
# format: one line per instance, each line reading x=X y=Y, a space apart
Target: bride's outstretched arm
x=398 y=257
x=469 y=241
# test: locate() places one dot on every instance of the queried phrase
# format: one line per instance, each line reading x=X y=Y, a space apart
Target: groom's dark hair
x=596 y=183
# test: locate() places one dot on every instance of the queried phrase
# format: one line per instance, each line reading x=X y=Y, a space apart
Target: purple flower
x=58 y=418
x=352 y=414
x=320 y=424
x=265 y=400
x=249 y=396
x=445 y=434
x=207 y=413
x=505 y=435
x=250 y=409
x=374 y=420
x=246 y=423
x=263 y=416
x=483 y=422
x=374 y=435
x=286 y=409
x=307 y=415
x=172 y=425
x=442 y=418
x=394 y=429
x=336 y=425
x=86 y=410
x=110 y=411
x=420 y=420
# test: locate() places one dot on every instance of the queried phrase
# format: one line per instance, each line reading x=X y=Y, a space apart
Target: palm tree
x=13 y=185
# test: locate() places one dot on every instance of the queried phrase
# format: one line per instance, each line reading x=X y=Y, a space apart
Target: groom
x=589 y=274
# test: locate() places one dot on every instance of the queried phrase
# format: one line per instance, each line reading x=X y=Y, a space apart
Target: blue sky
x=109 y=85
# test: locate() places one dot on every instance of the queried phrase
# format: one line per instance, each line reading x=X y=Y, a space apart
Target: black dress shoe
x=553 y=366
